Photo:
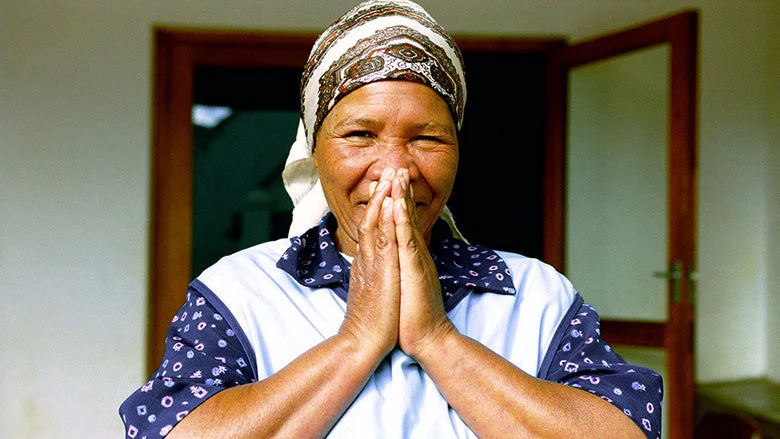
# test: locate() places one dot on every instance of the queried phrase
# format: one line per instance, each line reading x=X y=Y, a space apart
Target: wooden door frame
x=177 y=52
x=676 y=335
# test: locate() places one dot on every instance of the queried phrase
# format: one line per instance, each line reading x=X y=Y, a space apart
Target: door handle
x=693 y=279
x=675 y=276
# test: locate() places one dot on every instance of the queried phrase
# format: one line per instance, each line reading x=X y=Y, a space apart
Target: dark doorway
x=244 y=121
x=498 y=196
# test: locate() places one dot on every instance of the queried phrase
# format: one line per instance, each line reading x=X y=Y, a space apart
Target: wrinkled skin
x=387 y=155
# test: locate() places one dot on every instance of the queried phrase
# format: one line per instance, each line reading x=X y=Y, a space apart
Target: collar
x=313 y=261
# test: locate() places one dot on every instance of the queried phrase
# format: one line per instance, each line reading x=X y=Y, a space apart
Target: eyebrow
x=357 y=122
x=365 y=122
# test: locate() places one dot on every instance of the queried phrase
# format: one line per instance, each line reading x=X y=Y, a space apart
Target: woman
x=376 y=319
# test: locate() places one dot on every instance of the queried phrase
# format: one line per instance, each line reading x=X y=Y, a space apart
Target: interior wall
x=773 y=200
x=733 y=169
x=75 y=106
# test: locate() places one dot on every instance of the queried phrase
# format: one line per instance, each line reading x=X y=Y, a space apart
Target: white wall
x=75 y=105
x=773 y=200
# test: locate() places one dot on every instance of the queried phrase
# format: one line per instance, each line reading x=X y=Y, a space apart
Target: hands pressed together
x=395 y=297
x=395 y=301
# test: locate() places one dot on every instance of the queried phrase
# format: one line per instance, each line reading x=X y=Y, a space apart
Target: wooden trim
x=625 y=332
x=618 y=43
x=508 y=44
x=615 y=44
x=680 y=379
x=556 y=121
x=171 y=188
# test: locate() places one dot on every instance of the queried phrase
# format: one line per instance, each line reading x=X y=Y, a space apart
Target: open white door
x=620 y=185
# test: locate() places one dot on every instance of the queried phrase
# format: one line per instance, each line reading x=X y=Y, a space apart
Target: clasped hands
x=395 y=296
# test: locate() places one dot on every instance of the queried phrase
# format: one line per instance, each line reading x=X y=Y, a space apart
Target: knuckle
x=363 y=228
x=382 y=242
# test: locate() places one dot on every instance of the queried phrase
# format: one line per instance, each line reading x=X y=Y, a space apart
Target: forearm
x=304 y=399
x=497 y=399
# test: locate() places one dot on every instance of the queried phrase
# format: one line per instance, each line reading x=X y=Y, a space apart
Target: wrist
x=362 y=346
x=436 y=343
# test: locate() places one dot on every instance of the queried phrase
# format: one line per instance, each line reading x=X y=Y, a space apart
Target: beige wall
x=74 y=181
x=773 y=200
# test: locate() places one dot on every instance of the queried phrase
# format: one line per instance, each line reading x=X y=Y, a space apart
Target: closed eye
x=429 y=139
x=359 y=133
x=434 y=141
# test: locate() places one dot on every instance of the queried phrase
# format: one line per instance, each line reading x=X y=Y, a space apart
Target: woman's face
x=396 y=124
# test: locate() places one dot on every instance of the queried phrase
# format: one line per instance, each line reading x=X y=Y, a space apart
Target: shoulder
x=246 y=267
x=535 y=279
x=531 y=267
x=260 y=257
x=542 y=300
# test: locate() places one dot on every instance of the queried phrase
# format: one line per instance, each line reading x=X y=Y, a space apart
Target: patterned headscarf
x=376 y=40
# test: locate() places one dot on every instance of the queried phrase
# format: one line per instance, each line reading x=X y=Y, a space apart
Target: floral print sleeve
x=579 y=358
x=203 y=356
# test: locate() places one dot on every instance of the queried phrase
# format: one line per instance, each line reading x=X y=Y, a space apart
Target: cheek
x=337 y=170
x=441 y=174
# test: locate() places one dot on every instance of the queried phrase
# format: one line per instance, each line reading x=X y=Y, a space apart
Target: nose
x=397 y=157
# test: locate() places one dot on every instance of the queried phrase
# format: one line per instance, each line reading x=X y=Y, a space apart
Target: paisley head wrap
x=374 y=41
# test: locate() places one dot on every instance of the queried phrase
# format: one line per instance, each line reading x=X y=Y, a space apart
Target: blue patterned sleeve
x=581 y=359
x=203 y=356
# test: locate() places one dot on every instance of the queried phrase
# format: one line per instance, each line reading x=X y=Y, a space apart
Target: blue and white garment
x=257 y=310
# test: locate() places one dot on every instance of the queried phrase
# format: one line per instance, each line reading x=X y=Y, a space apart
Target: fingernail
x=388 y=173
x=372 y=188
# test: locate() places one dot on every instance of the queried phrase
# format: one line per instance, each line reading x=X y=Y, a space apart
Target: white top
x=283 y=319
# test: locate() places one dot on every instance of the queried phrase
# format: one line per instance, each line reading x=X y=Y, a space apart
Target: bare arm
x=493 y=397
x=304 y=399
x=497 y=399
x=307 y=397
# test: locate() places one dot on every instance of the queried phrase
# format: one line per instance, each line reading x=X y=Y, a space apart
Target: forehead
x=378 y=41
x=403 y=101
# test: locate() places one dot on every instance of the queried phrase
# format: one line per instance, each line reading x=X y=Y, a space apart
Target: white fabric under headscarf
x=376 y=40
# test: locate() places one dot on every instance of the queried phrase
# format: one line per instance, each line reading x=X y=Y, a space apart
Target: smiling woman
x=386 y=124
x=443 y=338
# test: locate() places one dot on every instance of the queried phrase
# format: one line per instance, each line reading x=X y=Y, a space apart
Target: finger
x=403 y=225
x=410 y=241
x=409 y=198
x=387 y=224
x=399 y=187
x=372 y=188
x=386 y=242
x=367 y=229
